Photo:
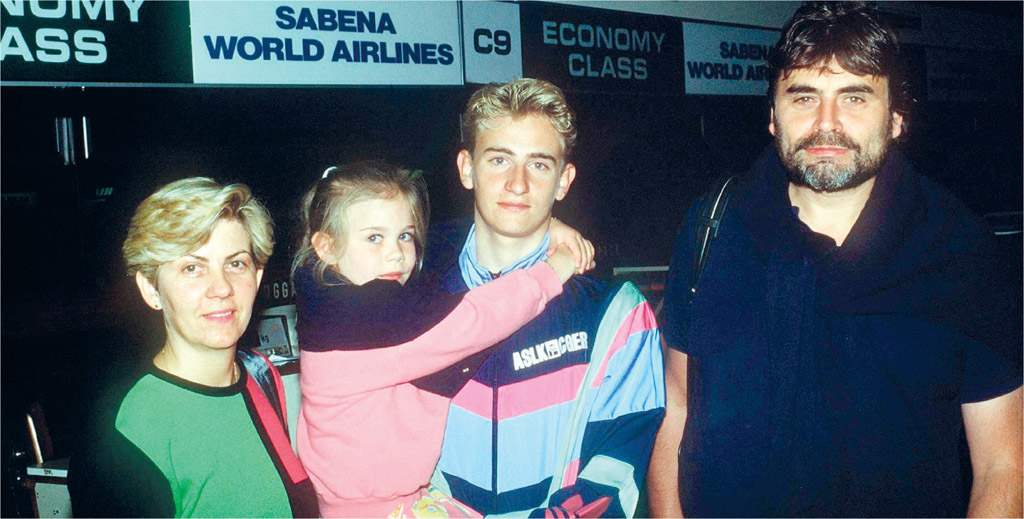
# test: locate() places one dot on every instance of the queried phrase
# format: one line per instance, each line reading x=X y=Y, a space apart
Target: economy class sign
x=326 y=43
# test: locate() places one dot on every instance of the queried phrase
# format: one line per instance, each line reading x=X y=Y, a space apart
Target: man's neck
x=831 y=214
x=496 y=252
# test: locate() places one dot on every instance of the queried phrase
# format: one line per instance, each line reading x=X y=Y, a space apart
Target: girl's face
x=380 y=243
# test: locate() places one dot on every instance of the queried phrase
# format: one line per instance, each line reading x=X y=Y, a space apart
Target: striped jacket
x=578 y=394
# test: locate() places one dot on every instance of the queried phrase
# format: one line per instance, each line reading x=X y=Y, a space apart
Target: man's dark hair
x=853 y=33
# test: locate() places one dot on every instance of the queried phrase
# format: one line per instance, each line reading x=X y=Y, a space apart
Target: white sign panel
x=326 y=43
x=494 y=48
x=726 y=60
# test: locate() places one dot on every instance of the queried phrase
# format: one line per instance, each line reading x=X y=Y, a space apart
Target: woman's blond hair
x=519 y=98
x=325 y=204
x=179 y=218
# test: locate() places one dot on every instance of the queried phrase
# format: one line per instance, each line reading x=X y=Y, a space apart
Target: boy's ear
x=323 y=245
x=464 y=161
x=565 y=180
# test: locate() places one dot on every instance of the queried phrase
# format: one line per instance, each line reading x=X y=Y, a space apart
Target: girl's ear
x=322 y=245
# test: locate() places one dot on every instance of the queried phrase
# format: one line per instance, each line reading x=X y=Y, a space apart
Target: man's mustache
x=827 y=139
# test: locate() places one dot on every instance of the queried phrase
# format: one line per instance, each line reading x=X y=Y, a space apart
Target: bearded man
x=848 y=335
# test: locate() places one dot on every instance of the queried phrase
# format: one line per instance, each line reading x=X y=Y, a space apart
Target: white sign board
x=726 y=60
x=326 y=43
x=491 y=37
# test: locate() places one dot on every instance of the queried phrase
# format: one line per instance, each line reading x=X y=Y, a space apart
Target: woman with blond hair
x=199 y=430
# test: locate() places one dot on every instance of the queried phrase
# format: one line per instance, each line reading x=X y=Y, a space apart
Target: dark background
x=67 y=308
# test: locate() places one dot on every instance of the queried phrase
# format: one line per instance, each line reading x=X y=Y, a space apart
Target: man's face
x=516 y=170
x=832 y=128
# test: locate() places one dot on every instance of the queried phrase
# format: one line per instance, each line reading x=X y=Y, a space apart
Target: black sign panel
x=596 y=49
x=81 y=41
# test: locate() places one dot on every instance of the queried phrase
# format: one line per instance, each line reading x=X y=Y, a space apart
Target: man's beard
x=827 y=174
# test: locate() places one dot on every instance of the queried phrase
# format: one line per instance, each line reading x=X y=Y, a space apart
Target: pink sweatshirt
x=370 y=439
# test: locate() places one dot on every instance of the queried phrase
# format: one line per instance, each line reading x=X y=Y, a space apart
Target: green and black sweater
x=161 y=446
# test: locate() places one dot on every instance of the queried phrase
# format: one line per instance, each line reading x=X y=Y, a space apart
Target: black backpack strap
x=259 y=368
x=708 y=220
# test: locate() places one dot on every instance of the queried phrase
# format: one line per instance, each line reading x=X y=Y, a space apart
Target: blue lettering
x=367 y=49
x=306 y=20
x=386 y=24
x=284 y=13
x=221 y=49
x=255 y=43
x=550 y=33
x=429 y=53
x=341 y=52
x=257 y=48
x=289 y=47
x=625 y=66
x=348 y=21
x=384 y=58
x=694 y=68
x=447 y=54
x=640 y=68
x=327 y=19
x=607 y=69
x=410 y=52
x=273 y=46
x=576 y=65
x=308 y=48
x=757 y=72
x=732 y=50
x=366 y=21
x=331 y=20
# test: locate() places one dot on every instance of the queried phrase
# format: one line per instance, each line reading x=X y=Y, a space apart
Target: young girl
x=370 y=427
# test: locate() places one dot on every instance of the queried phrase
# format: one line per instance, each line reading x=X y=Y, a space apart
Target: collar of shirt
x=475 y=274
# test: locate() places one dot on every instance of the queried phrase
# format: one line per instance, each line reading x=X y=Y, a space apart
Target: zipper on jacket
x=494 y=435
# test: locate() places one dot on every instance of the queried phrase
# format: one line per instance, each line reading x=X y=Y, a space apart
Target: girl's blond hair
x=325 y=204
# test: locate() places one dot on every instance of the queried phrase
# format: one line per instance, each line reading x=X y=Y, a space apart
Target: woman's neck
x=214 y=368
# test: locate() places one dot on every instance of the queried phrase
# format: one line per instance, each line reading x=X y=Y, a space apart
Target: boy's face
x=516 y=171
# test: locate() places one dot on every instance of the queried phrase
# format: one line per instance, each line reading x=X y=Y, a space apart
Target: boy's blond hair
x=519 y=98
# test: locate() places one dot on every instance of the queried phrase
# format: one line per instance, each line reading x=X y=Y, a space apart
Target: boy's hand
x=581 y=248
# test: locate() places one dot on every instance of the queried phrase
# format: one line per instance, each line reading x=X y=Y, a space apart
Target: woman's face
x=207 y=295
